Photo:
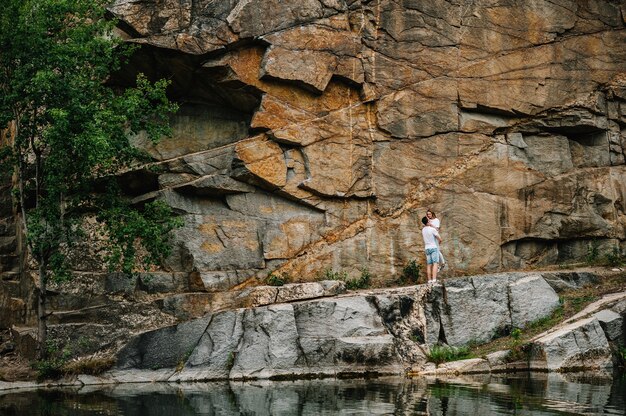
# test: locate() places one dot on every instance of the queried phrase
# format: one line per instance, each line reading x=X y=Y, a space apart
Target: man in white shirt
x=434 y=221
x=431 y=237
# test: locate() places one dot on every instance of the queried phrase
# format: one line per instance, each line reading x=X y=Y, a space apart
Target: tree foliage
x=70 y=131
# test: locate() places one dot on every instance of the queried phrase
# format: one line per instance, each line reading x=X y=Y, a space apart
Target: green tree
x=70 y=131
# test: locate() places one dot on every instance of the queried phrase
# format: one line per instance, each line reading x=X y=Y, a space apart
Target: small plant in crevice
x=549 y=320
x=361 y=282
x=330 y=274
x=230 y=360
x=64 y=360
x=579 y=302
x=84 y=343
x=183 y=360
x=516 y=334
x=621 y=357
x=615 y=258
x=410 y=272
x=417 y=337
x=593 y=254
x=519 y=352
x=443 y=353
x=277 y=279
x=51 y=367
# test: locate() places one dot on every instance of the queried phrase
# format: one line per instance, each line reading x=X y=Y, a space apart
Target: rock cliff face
x=315 y=134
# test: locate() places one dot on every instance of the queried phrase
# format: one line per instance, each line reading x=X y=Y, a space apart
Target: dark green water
x=521 y=394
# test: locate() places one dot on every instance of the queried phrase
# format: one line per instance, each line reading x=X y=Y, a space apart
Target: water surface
x=520 y=394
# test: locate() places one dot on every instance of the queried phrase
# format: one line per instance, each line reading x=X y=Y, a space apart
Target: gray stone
x=230 y=241
x=339 y=317
x=163 y=282
x=620 y=307
x=402 y=313
x=361 y=354
x=260 y=295
x=185 y=306
x=531 y=298
x=579 y=345
x=517 y=140
x=162 y=348
x=198 y=128
x=473 y=365
x=218 y=280
x=497 y=360
x=561 y=281
x=214 y=356
x=382 y=331
x=312 y=337
x=471 y=310
x=613 y=325
x=214 y=185
x=301 y=291
x=269 y=345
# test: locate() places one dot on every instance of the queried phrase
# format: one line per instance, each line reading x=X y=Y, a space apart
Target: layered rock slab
x=480 y=308
x=382 y=331
x=588 y=341
x=321 y=337
x=579 y=345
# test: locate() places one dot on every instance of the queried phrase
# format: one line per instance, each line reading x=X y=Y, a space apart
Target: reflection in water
x=520 y=394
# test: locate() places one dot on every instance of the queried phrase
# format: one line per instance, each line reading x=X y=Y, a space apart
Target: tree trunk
x=42 y=326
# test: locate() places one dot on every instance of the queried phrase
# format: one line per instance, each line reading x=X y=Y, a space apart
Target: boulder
x=313 y=337
x=480 y=308
x=561 y=281
x=194 y=305
x=302 y=291
x=531 y=298
x=613 y=325
x=579 y=345
x=162 y=348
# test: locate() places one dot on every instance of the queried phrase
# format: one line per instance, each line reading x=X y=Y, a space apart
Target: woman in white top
x=433 y=221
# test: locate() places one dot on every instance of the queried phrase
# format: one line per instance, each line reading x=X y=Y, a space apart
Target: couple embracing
x=430 y=233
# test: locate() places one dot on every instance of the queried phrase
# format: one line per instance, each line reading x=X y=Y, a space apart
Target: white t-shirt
x=435 y=222
x=429 y=234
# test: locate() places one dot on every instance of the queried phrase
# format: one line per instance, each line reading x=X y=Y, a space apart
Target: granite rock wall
x=314 y=135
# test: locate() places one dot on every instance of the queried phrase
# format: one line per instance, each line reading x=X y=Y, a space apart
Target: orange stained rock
x=246 y=63
x=264 y=159
x=212 y=247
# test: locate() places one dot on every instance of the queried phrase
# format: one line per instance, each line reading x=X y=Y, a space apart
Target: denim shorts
x=432 y=255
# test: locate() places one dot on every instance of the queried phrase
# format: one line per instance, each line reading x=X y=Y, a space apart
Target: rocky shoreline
x=313 y=333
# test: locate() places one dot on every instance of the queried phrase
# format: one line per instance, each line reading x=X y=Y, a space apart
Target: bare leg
x=429 y=271
x=434 y=272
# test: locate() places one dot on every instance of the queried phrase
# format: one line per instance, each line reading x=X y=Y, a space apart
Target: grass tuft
x=443 y=353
